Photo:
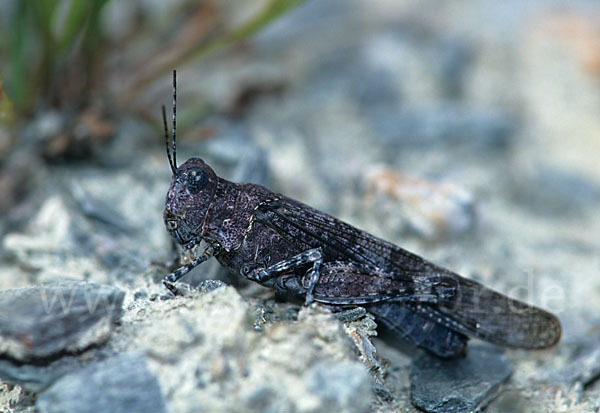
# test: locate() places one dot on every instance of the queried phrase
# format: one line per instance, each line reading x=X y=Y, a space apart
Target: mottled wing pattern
x=341 y=241
x=484 y=313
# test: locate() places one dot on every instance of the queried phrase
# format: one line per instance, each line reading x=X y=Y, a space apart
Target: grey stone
x=253 y=167
x=458 y=385
x=455 y=56
x=35 y=377
x=445 y=124
x=342 y=386
x=119 y=384
x=234 y=141
x=55 y=317
x=557 y=191
x=584 y=369
x=401 y=203
x=99 y=211
x=351 y=72
x=579 y=357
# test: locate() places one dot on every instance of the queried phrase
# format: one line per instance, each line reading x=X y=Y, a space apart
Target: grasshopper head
x=190 y=194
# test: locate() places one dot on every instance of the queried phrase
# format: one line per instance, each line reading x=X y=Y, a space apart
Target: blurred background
x=466 y=131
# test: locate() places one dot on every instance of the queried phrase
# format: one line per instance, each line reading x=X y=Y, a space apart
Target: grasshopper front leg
x=170 y=280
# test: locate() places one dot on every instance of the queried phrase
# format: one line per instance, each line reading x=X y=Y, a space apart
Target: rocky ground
x=466 y=132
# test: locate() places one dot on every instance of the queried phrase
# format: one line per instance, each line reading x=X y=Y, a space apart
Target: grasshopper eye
x=171 y=225
x=196 y=180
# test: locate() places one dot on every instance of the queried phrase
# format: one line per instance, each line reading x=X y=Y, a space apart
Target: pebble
x=341 y=386
x=119 y=384
x=35 y=377
x=408 y=203
x=56 y=317
x=458 y=385
x=451 y=125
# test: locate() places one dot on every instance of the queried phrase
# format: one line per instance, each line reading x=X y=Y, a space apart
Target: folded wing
x=458 y=304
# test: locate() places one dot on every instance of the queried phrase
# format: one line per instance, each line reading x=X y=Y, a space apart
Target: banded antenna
x=174 y=116
x=172 y=160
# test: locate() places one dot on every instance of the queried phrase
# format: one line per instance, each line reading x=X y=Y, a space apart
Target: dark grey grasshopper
x=286 y=245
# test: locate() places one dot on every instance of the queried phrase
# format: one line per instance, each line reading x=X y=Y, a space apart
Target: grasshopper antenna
x=164 y=114
x=174 y=118
x=172 y=160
